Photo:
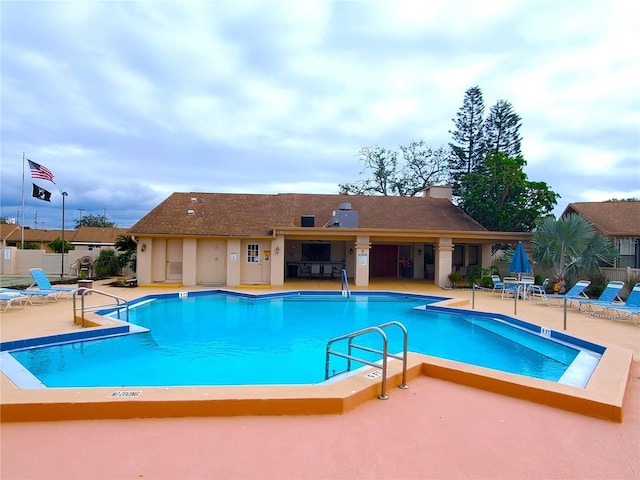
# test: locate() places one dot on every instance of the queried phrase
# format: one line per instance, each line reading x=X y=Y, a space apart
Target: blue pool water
x=219 y=339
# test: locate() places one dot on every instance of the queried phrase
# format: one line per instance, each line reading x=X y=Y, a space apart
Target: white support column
x=361 y=271
x=486 y=258
x=443 y=252
x=278 y=256
x=189 y=255
x=234 y=262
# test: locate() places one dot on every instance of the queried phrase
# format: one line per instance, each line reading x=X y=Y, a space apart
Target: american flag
x=40 y=171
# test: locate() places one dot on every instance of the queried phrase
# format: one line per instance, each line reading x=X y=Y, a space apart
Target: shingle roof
x=98 y=235
x=94 y=235
x=7 y=229
x=613 y=219
x=230 y=214
x=38 y=235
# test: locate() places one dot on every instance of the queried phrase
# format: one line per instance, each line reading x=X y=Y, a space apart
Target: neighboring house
x=6 y=231
x=86 y=241
x=90 y=238
x=85 y=238
x=619 y=221
x=39 y=237
x=234 y=239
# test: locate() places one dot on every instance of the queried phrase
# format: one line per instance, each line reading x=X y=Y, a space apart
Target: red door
x=384 y=261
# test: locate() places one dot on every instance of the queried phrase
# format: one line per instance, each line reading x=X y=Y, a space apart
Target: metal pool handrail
x=385 y=354
x=344 y=284
x=119 y=303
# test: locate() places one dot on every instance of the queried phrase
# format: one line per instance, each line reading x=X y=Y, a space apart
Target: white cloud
x=130 y=101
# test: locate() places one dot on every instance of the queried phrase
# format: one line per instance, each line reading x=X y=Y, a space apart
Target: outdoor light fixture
x=351 y=251
x=143 y=247
x=419 y=252
x=277 y=250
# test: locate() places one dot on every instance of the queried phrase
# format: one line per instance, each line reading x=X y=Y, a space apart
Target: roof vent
x=191 y=212
x=345 y=206
x=194 y=200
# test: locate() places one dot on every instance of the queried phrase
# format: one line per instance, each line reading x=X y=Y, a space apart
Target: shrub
x=455 y=278
x=596 y=290
x=106 y=265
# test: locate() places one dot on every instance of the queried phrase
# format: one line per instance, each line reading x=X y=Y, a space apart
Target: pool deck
x=435 y=429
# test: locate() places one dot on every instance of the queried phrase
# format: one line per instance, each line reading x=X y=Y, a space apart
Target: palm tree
x=128 y=247
x=570 y=246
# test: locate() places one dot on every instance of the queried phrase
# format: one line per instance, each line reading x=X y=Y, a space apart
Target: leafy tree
x=423 y=167
x=499 y=196
x=128 y=247
x=56 y=245
x=383 y=165
x=502 y=130
x=92 y=220
x=106 y=265
x=570 y=246
x=403 y=172
x=468 y=138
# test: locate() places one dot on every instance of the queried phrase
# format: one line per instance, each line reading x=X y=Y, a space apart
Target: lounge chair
x=40 y=279
x=35 y=297
x=576 y=292
x=12 y=300
x=630 y=308
x=608 y=296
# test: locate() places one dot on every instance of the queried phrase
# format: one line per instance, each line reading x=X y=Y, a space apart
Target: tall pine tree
x=468 y=145
x=502 y=130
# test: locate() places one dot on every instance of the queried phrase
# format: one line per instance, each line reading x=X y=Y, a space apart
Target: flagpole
x=22 y=222
x=64 y=194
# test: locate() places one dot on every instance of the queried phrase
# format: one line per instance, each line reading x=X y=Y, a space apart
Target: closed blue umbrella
x=520 y=262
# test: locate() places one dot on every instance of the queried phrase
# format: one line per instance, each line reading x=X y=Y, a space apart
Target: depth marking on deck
x=126 y=394
x=374 y=374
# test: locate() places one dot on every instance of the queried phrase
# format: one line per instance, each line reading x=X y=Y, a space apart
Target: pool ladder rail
x=120 y=304
x=344 y=284
x=384 y=352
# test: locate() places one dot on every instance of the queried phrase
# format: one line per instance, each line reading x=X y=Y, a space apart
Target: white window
x=253 y=253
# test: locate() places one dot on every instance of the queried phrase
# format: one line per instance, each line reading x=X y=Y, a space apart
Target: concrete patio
x=435 y=429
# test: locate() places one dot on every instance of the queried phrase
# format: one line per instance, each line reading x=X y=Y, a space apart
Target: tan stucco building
x=233 y=239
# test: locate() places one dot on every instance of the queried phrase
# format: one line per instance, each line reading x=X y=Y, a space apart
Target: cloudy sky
x=129 y=101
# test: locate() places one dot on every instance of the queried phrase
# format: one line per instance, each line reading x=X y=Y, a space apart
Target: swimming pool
x=216 y=338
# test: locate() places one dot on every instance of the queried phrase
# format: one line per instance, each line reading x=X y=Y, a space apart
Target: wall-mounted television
x=316 y=252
